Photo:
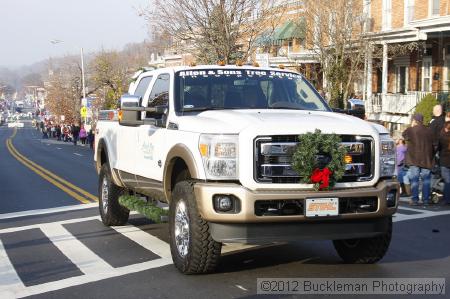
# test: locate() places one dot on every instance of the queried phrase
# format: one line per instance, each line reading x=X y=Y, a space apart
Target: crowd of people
x=66 y=133
x=424 y=151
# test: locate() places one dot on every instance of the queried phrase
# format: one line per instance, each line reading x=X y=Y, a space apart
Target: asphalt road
x=54 y=246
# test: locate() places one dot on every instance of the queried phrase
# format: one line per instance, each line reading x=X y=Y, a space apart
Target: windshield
x=212 y=89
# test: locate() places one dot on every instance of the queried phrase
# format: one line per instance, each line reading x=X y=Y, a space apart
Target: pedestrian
x=75 y=133
x=400 y=167
x=444 y=159
x=58 y=132
x=44 y=132
x=66 y=133
x=91 y=137
x=419 y=158
x=437 y=123
x=83 y=135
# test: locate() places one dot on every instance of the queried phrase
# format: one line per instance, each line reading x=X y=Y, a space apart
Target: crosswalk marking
x=31 y=226
x=423 y=214
x=94 y=268
x=147 y=241
x=86 y=260
x=9 y=280
x=48 y=211
x=79 y=280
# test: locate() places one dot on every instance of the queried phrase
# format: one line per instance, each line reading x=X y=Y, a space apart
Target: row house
x=413 y=37
x=409 y=57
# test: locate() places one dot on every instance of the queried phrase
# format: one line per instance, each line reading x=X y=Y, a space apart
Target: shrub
x=425 y=106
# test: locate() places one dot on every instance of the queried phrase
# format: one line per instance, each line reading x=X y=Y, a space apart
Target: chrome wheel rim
x=105 y=194
x=182 y=228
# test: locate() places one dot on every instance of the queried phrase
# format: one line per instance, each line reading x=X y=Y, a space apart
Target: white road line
x=77 y=154
x=414 y=209
x=33 y=226
x=86 y=260
x=9 y=280
x=402 y=217
x=146 y=240
x=58 y=148
x=48 y=211
x=38 y=225
x=79 y=280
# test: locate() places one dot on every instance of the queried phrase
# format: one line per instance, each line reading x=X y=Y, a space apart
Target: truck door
x=127 y=139
x=151 y=139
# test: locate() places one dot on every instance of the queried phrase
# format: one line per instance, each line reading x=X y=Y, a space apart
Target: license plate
x=321 y=207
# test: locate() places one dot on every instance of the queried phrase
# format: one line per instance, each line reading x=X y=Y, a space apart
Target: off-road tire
x=114 y=213
x=364 y=250
x=203 y=252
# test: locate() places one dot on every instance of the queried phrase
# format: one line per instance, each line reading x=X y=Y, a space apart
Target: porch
x=393 y=108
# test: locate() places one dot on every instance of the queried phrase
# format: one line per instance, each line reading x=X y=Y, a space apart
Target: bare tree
x=64 y=91
x=110 y=72
x=336 y=35
x=215 y=29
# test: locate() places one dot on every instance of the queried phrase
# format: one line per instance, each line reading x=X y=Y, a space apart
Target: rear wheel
x=111 y=212
x=193 y=249
x=364 y=250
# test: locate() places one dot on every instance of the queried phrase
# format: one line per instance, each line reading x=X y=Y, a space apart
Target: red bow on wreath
x=322 y=177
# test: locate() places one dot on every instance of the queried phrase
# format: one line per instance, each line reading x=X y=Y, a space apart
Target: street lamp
x=58 y=41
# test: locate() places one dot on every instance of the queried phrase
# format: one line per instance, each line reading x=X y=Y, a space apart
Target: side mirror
x=129 y=110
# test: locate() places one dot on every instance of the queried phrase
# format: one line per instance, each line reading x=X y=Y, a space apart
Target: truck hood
x=271 y=122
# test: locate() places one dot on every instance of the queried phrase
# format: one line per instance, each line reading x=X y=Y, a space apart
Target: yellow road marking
x=51 y=174
x=47 y=175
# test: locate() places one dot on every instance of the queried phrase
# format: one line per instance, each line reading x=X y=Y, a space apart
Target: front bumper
x=204 y=193
x=263 y=233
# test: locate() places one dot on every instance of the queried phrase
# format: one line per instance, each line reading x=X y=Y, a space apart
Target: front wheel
x=364 y=250
x=193 y=249
x=111 y=212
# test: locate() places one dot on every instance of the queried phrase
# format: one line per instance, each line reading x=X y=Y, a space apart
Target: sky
x=27 y=28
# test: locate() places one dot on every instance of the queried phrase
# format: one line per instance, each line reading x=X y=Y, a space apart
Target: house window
x=387 y=14
x=402 y=79
x=446 y=71
x=434 y=7
x=446 y=81
x=409 y=12
x=426 y=74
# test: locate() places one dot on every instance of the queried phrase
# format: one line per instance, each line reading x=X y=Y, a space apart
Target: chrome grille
x=273 y=159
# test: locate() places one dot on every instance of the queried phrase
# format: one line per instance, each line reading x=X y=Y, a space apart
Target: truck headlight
x=387 y=156
x=220 y=156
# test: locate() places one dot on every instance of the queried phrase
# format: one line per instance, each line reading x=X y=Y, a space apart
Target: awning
x=291 y=29
x=265 y=38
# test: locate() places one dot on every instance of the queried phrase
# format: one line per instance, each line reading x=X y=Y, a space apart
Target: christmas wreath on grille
x=319 y=159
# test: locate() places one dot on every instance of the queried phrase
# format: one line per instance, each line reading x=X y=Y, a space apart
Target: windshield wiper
x=196 y=109
x=287 y=108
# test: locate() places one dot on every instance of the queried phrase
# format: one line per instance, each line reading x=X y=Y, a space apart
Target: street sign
x=83 y=111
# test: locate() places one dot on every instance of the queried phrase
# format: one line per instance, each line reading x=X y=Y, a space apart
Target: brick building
x=412 y=38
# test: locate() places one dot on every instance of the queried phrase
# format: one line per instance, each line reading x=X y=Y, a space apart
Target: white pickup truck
x=216 y=143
